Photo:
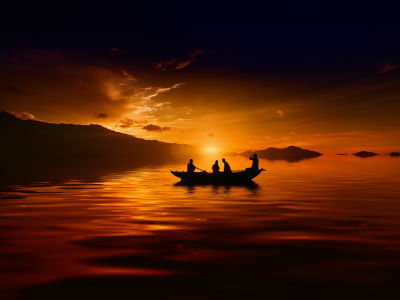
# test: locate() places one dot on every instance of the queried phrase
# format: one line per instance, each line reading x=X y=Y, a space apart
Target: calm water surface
x=324 y=228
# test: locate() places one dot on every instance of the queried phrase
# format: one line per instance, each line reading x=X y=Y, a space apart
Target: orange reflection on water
x=292 y=224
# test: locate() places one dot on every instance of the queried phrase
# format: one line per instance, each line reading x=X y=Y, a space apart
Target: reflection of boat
x=203 y=177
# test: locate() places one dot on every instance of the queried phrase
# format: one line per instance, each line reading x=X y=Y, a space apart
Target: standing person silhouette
x=215 y=167
x=227 y=167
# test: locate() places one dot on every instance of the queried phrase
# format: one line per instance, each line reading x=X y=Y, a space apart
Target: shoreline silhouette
x=30 y=138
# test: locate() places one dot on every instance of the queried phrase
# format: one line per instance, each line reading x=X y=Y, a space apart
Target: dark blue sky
x=317 y=59
x=278 y=33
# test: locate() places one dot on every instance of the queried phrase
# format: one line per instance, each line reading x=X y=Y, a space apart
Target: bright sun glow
x=211 y=149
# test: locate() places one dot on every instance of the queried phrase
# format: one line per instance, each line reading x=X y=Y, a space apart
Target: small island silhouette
x=291 y=153
x=365 y=154
x=394 y=153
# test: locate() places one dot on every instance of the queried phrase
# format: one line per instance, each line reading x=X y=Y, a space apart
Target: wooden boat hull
x=205 y=177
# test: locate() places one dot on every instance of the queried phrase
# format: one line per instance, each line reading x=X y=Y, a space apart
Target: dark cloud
x=385 y=67
x=179 y=64
x=100 y=116
x=192 y=58
x=128 y=123
x=157 y=128
x=211 y=134
x=164 y=64
x=115 y=49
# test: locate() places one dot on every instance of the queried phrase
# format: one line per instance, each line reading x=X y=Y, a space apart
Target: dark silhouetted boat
x=205 y=177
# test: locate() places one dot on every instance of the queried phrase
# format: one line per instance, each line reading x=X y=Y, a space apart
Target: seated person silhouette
x=215 y=168
x=227 y=167
x=254 y=166
x=191 y=167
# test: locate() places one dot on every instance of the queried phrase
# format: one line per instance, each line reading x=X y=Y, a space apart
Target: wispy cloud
x=128 y=76
x=166 y=63
x=151 y=92
x=385 y=67
x=142 y=98
x=211 y=134
x=100 y=115
x=115 y=49
x=179 y=64
x=192 y=58
x=102 y=89
x=156 y=128
x=25 y=116
x=139 y=99
x=280 y=113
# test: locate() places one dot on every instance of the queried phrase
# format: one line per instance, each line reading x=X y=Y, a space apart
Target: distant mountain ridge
x=291 y=153
x=35 y=138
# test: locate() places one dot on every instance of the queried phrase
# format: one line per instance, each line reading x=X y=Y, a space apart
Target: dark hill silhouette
x=291 y=153
x=29 y=138
x=365 y=154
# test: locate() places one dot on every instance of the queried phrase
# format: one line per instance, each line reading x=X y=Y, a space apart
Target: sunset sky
x=319 y=75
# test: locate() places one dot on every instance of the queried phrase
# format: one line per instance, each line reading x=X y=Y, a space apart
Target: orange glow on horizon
x=228 y=113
